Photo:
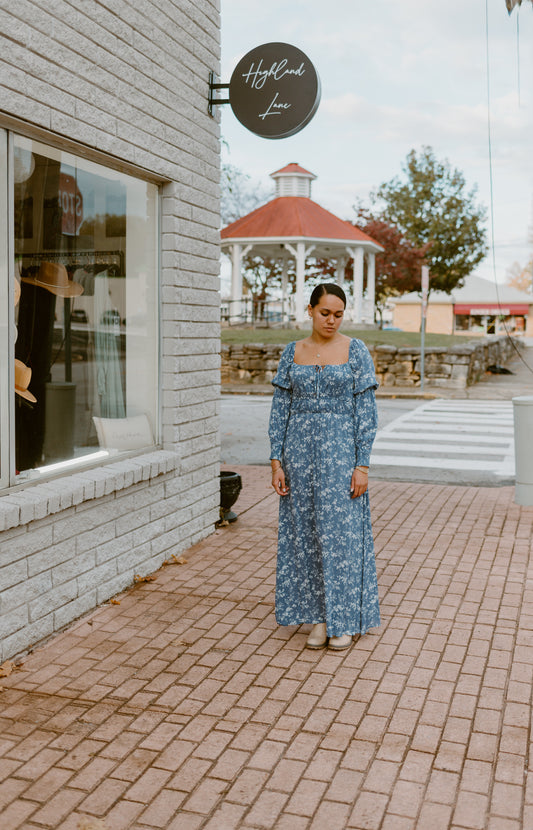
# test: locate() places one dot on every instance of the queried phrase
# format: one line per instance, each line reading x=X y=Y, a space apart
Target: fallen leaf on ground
x=7 y=668
x=90 y=823
x=114 y=601
x=179 y=560
x=139 y=578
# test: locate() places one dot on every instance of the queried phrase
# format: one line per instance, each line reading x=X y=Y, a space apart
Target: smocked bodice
x=322 y=388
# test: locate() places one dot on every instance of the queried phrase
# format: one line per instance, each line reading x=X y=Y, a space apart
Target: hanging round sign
x=274 y=90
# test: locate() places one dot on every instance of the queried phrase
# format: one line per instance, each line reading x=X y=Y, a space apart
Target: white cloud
x=430 y=120
x=396 y=76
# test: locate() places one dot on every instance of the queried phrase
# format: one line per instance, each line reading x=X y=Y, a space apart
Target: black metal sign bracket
x=213 y=98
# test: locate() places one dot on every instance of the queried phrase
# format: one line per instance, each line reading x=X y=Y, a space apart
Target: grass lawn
x=368 y=336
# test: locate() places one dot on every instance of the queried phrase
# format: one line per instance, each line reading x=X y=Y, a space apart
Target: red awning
x=484 y=309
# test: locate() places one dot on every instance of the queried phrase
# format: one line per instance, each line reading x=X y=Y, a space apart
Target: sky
x=397 y=75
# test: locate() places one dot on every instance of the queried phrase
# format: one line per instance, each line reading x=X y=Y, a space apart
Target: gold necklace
x=317 y=354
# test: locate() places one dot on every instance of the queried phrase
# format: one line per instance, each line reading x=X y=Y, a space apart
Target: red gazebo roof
x=294 y=168
x=295 y=217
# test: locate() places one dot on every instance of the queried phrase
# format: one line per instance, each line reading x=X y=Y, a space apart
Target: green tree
x=398 y=268
x=432 y=208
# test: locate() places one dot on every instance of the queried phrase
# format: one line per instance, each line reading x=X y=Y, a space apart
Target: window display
x=86 y=316
x=7 y=368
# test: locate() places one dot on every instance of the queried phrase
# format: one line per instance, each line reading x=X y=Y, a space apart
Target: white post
x=523 y=424
x=358 y=255
x=371 y=285
x=423 y=310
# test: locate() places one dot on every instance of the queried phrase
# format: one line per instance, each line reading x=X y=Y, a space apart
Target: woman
x=322 y=424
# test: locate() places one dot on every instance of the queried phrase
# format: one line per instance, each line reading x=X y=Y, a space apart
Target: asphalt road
x=244 y=425
x=455 y=442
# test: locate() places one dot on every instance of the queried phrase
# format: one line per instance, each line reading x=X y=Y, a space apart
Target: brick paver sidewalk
x=186 y=707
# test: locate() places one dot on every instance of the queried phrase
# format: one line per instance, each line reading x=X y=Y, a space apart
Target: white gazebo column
x=236 y=281
x=237 y=253
x=284 y=285
x=300 y=281
x=371 y=285
x=300 y=253
x=358 y=261
x=339 y=270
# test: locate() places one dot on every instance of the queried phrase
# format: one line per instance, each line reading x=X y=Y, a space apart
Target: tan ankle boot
x=318 y=636
x=340 y=643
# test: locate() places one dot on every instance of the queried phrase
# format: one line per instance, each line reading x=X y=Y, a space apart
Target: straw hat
x=22 y=381
x=54 y=277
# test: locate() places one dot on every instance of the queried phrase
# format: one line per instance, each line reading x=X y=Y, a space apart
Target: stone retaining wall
x=455 y=367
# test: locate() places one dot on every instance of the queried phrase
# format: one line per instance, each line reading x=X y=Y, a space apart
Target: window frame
x=10 y=129
x=7 y=311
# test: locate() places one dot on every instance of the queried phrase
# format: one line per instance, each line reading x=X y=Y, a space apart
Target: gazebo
x=293 y=226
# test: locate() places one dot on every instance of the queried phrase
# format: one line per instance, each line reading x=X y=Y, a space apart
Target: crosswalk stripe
x=450 y=435
x=410 y=432
x=474 y=437
x=450 y=448
x=449 y=418
x=444 y=463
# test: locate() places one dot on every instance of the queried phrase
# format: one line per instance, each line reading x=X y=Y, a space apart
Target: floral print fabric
x=322 y=424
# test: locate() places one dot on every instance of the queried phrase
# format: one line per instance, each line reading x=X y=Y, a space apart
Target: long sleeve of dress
x=365 y=410
x=281 y=403
x=279 y=417
x=365 y=425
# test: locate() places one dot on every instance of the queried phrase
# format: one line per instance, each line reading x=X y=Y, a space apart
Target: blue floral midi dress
x=322 y=424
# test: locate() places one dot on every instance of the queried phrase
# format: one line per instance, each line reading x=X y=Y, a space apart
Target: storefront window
x=462 y=322
x=489 y=324
x=86 y=351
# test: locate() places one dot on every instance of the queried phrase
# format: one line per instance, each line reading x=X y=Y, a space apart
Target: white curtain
x=109 y=386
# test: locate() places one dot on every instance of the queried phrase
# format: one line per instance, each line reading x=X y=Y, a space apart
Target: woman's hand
x=359 y=483
x=278 y=481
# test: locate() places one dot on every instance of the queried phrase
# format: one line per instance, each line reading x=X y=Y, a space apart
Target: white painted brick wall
x=131 y=80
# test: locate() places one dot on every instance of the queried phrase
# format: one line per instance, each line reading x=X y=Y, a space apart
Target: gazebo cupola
x=293 y=180
x=293 y=226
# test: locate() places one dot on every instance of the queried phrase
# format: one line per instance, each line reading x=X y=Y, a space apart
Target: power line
x=491 y=189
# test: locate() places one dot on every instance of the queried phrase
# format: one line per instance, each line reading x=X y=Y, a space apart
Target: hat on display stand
x=22 y=381
x=54 y=277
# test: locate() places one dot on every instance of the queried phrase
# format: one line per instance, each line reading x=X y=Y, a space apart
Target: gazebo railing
x=250 y=311
x=256 y=312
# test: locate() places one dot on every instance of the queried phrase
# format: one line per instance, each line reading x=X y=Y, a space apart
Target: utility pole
x=425 y=289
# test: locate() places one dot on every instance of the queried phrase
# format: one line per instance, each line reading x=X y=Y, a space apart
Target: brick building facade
x=109 y=165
